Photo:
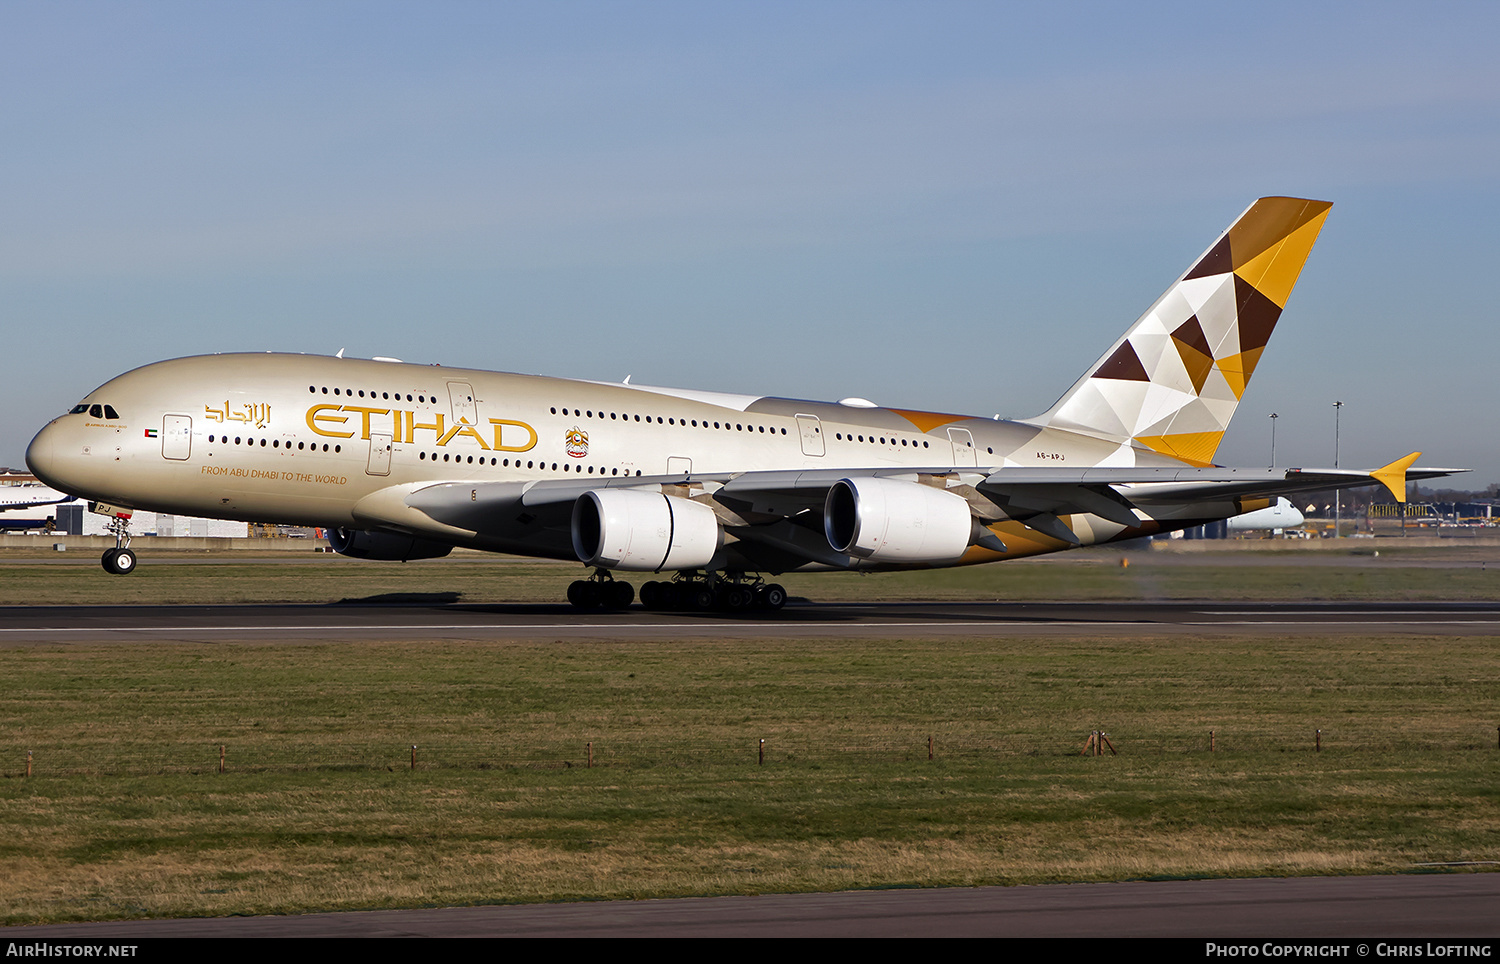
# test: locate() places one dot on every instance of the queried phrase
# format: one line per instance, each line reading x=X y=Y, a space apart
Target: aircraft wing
x=1177 y=485
x=759 y=493
x=1037 y=497
x=784 y=508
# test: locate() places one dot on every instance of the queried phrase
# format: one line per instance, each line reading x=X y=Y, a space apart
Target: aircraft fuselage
x=304 y=440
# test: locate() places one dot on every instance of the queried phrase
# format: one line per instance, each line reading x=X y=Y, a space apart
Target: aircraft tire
x=773 y=597
x=124 y=562
x=584 y=594
x=108 y=560
x=618 y=595
x=700 y=598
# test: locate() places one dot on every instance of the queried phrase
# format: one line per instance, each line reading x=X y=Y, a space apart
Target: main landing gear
x=600 y=589
x=687 y=593
x=120 y=560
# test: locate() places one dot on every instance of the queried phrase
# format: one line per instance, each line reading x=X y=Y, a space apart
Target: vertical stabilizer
x=1173 y=381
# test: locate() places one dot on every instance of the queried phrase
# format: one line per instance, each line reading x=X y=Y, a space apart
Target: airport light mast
x=1337 y=493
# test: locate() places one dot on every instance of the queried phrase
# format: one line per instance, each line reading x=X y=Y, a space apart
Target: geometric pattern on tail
x=1173 y=381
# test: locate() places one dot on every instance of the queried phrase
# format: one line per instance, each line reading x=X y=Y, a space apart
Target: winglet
x=1393 y=476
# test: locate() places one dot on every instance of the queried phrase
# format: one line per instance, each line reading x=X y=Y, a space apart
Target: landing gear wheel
x=119 y=562
x=739 y=597
x=618 y=595
x=773 y=597
x=583 y=594
x=600 y=591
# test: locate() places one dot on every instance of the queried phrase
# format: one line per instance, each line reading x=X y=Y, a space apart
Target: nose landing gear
x=119 y=561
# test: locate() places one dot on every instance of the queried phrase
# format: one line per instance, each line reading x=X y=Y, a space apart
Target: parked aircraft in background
x=18 y=502
x=714 y=491
x=1282 y=515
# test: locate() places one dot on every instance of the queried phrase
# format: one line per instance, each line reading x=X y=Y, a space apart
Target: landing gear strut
x=120 y=560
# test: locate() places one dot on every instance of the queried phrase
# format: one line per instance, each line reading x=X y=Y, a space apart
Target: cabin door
x=812 y=434
x=176 y=436
x=465 y=410
x=963 y=447
x=380 y=455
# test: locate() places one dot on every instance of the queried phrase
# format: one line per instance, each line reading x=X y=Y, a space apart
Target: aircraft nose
x=41 y=457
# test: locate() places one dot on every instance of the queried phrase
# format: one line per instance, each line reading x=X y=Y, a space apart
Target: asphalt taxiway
x=449 y=620
x=1365 y=910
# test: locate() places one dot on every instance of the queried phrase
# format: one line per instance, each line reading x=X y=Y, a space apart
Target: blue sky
x=944 y=205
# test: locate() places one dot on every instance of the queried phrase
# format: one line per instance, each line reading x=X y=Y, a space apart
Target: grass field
x=125 y=814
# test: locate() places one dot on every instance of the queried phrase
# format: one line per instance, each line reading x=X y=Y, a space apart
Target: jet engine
x=642 y=531
x=384 y=546
x=890 y=521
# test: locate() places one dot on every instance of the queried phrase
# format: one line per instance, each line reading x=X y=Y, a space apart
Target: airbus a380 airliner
x=716 y=490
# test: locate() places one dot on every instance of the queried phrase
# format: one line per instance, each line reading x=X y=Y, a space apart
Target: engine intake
x=890 y=521
x=640 y=531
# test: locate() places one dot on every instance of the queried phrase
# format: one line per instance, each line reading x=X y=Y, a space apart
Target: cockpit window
x=111 y=414
x=79 y=409
x=96 y=411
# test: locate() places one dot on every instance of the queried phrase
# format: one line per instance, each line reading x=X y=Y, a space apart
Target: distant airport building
x=28 y=506
x=77 y=520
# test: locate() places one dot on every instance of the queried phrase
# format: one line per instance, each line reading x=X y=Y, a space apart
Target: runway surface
x=1448 y=907
x=446 y=620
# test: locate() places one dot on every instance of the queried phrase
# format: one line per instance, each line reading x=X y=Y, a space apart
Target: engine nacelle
x=384 y=546
x=641 y=531
x=890 y=521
